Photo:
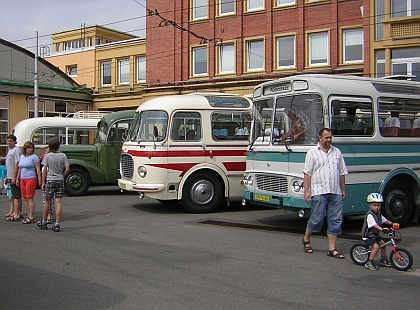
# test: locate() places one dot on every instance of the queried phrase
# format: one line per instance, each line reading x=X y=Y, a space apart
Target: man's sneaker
x=56 y=228
x=370 y=265
x=385 y=262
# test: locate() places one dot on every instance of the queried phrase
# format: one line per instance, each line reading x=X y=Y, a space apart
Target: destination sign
x=279 y=88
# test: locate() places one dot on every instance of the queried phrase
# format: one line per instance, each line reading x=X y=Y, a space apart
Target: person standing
x=55 y=169
x=12 y=162
x=324 y=188
x=3 y=172
x=29 y=175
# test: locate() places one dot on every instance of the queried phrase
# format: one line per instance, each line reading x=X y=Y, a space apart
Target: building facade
x=233 y=45
x=58 y=94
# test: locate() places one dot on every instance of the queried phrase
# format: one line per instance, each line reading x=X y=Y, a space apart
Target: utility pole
x=36 y=78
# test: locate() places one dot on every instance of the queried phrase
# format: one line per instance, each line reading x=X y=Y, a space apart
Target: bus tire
x=77 y=182
x=398 y=204
x=202 y=193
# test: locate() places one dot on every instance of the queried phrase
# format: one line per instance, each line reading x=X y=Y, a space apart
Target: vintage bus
x=375 y=123
x=189 y=148
x=70 y=130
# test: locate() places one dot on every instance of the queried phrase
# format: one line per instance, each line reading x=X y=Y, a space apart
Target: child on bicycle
x=371 y=228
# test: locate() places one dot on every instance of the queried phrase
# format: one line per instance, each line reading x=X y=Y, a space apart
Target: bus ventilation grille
x=127 y=166
x=271 y=183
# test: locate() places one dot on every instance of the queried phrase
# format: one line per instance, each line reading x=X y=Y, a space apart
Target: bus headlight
x=248 y=180
x=142 y=171
x=297 y=186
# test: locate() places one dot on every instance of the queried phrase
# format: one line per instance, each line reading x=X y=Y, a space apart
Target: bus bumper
x=276 y=201
x=128 y=185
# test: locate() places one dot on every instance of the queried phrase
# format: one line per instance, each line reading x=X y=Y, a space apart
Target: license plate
x=122 y=185
x=262 y=198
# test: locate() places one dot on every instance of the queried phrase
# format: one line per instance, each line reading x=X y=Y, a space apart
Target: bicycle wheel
x=359 y=253
x=401 y=259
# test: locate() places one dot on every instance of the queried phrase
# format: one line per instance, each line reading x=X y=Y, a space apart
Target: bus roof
x=114 y=116
x=341 y=84
x=203 y=101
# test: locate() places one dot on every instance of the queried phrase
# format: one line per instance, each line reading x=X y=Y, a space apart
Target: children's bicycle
x=400 y=258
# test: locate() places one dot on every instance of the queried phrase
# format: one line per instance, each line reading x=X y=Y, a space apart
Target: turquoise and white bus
x=375 y=123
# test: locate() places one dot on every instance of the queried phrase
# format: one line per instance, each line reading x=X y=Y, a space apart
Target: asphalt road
x=118 y=252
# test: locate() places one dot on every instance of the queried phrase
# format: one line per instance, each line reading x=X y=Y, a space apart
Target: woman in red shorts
x=29 y=174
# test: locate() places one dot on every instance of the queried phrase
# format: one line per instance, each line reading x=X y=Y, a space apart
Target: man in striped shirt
x=324 y=186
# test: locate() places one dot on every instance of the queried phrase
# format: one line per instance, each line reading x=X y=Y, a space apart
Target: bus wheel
x=77 y=182
x=397 y=205
x=202 y=193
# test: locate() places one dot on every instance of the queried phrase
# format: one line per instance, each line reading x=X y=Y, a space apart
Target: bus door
x=227 y=146
x=110 y=151
x=186 y=146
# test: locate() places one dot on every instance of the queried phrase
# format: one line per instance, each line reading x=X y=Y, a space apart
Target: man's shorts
x=28 y=187
x=54 y=188
x=16 y=194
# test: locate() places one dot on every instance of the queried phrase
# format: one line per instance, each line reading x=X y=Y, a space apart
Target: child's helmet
x=374 y=197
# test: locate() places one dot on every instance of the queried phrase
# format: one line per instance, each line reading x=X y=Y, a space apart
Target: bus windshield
x=297 y=118
x=149 y=126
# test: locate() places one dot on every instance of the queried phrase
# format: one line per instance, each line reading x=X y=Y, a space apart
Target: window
x=226 y=7
x=71 y=70
x=57 y=47
x=380 y=63
x=106 y=73
x=255 y=55
x=124 y=71
x=141 y=69
x=230 y=125
x=402 y=8
x=351 y=116
x=98 y=41
x=199 y=60
x=285 y=2
x=253 y=5
x=199 y=9
x=90 y=41
x=4 y=121
x=379 y=15
x=286 y=52
x=318 y=49
x=73 y=44
x=186 y=126
x=406 y=61
x=226 y=58
x=353 y=45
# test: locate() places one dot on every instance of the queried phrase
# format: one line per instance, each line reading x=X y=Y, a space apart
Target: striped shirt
x=325 y=170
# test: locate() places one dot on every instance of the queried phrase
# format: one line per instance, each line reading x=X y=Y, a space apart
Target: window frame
x=219 y=58
x=345 y=47
x=277 y=51
x=193 y=5
x=259 y=8
x=194 y=63
x=310 y=49
x=104 y=70
x=69 y=69
x=140 y=62
x=123 y=71
x=249 y=57
x=219 y=5
x=289 y=3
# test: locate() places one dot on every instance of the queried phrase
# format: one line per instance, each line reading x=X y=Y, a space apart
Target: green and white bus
x=375 y=123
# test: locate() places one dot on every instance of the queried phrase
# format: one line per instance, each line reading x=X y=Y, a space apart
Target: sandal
x=336 y=255
x=28 y=221
x=306 y=248
x=13 y=219
x=8 y=214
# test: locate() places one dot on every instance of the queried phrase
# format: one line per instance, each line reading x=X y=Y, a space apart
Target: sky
x=20 y=19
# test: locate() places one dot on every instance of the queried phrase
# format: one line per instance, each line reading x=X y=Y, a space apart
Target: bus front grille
x=271 y=183
x=127 y=166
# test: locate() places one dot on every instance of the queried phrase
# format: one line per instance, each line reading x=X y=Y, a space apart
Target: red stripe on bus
x=186 y=153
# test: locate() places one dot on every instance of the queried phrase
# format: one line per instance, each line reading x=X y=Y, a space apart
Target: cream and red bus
x=189 y=149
